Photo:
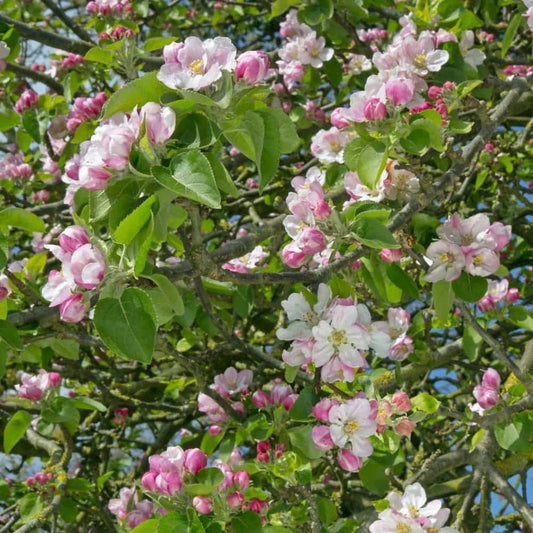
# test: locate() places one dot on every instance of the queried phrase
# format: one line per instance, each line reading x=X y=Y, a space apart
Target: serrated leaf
x=130 y=226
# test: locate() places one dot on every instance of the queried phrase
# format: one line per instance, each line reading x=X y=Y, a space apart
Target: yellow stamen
x=196 y=66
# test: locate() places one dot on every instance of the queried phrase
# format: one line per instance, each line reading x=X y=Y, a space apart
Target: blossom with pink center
x=252 y=67
x=420 y=56
x=328 y=145
x=233 y=382
x=313 y=50
x=353 y=423
x=33 y=387
x=343 y=333
x=481 y=262
x=447 y=259
x=195 y=64
x=160 y=122
x=212 y=409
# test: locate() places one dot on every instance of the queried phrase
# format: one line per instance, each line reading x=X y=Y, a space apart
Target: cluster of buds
x=391 y=413
x=28 y=99
x=83 y=267
x=72 y=61
x=280 y=394
x=84 y=109
x=33 y=387
x=118 y=33
x=108 y=7
x=40 y=481
x=121 y=413
x=471 y=244
x=265 y=452
x=129 y=509
x=12 y=166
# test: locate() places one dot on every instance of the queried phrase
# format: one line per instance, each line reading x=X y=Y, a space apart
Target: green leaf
x=371 y=163
x=20 y=218
x=425 y=402
x=301 y=410
x=9 y=118
x=472 y=342
x=126 y=325
x=301 y=440
x=29 y=506
x=60 y=410
x=352 y=152
x=130 y=226
x=247 y=522
x=373 y=477
x=520 y=316
x=327 y=511
x=403 y=280
x=10 y=335
x=510 y=33
x=148 y=526
x=15 y=429
x=478 y=435
x=135 y=93
x=155 y=43
x=290 y=373
x=288 y=137
x=192 y=177
x=172 y=293
x=263 y=130
x=434 y=132
x=173 y=523
x=516 y=437
x=443 y=296
x=83 y=402
x=222 y=176
x=100 y=55
x=195 y=130
x=470 y=288
x=373 y=234
x=280 y=6
x=31 y=125
x=207 y=480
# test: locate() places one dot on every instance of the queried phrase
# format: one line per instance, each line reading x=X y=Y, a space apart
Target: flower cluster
x=486 y=394
x=328 y=145
x=334 y=336
x=33 y=387
x=12 y=166
x=308 y=206
x=108 y=7
x=497 y=291
x=471 y=244
x=128 y=507
x=350 y=424
x=280 y=394
x=172 y=471
x=409 y=512
x=195 y=64
x=300 y=47
x=107 y=152
x=83 y=266
x=84 y=108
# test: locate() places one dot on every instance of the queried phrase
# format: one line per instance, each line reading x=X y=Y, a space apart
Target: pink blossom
x=400 y=91
x=72 y=309
x=5 y=290
x=322 y=408
x=195 y=460
x=349 y=461
x=512 y=295
x=293 y=255
x=401 y=400
x=260 y=399
x=339 y=118
x=391 y=256
x=33 y=387
x=252 y=67
x=233 y=382
x=87 y=266
x=160 y=122
x=235 y=499
x=401 y=348
x=336 y=370
x=404 y=427
x=447 y=261
x=214 y=412
x=328 y=145
x=194 y=64
x=481 y=262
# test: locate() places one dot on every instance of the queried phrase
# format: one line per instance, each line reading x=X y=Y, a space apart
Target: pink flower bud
x=256 y=505
x=338 y=119
x=491 y=378
x=252 y=67
x=374 y=109
x=486 y=304
x=87 y=266
x=400 y=91
x=348 y=461
x=391 y=256
x=489 y=147
x=27 y=100
x=260 y=399
x=54 y=378
x=30 y=481
x=160 y=122
x=293 y=256
x=487 y=397
x=512 y=295
x=322 y=437
x=263 y=446
x=241 y=479
x=448 y=86
x=233 y=152
x=214 y=430
x=263 y=457
x=235 y=499
x=321 y=409
x=404 y=427
x=311 y=241
x=434 y=92
x=202 y=504
x=40 y=478
x=289 y=401
x=195 y=460
x=73 y=238
x=401 y=400
x=442 y=110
